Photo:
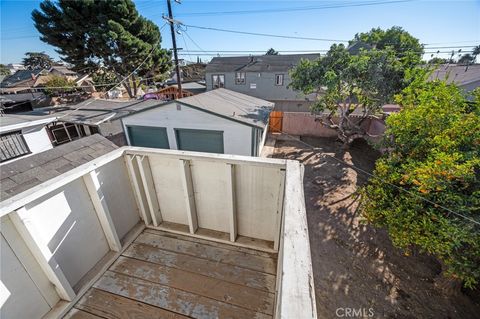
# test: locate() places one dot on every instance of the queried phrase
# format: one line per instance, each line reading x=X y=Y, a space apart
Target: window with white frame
x=12 y=145
x=218 y=81
x=278 y=79
x=240 y=78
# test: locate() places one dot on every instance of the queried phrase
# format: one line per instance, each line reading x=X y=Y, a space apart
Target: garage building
x=217 y=121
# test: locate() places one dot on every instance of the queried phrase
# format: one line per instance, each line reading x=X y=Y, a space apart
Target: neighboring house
x=218 y=121
x=63 y=71
x=355 y=47
x=90 y=117
x=21 y=81
x=265 y=76
x=22 y=135
x=193 y=87
x=34 y=80
x=467 y=78
x=14 y=67
x=22 y=102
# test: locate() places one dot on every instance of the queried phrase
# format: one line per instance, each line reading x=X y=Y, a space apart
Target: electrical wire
x=291 y=9
x=263 y=34
x=388 y=183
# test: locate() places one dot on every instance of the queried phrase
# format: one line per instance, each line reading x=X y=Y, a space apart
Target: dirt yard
x=355 y=265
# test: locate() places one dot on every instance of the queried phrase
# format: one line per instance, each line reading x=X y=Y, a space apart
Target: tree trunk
x=127 y=87
x=135 y=88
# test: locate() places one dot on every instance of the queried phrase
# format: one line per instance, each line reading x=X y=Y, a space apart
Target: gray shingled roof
x=459 y=74
x=233 y=105
x=95 y=111
x=23 y=174
x=259 y=63
x=19 y=76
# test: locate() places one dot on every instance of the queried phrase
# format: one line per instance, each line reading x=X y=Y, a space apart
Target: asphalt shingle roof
x=259 y=63
x=233 y=105
x=23 y=174
x=459 y=74
x=20 y=76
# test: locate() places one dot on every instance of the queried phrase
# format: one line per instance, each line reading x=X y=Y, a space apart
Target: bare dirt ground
x=355 y=265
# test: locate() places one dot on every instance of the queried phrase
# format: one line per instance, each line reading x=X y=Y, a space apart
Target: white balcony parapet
x=66 y=232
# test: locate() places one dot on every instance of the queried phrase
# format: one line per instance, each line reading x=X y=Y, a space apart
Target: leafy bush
x=433 y=153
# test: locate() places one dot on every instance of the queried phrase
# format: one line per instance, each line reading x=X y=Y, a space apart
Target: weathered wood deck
x=164 y=275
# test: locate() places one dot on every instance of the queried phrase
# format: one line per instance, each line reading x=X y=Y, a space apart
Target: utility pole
x=174 y=42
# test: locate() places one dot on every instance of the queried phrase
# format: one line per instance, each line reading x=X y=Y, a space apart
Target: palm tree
x=466 y=59
x=476 y=52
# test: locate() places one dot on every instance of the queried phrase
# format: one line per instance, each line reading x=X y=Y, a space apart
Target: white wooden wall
x=237 y=137
x=54 y=234
x=37 y=139
x=232 y=195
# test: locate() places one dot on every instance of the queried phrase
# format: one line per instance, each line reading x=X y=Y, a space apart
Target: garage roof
x=232 y=105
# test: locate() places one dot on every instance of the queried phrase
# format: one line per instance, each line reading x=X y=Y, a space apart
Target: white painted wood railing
x=65 y=232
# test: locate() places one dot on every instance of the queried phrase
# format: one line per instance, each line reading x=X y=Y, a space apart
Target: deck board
x=229 y=273
x=165 y=275
x=80 y=314
x=232 y=257
x=246 y=297
x=112 y=306
x=171 y=299
x=212 y=243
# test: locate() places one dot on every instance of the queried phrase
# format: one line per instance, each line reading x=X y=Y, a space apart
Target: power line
x=388 y=183
x=304 y=8
x=263 y=34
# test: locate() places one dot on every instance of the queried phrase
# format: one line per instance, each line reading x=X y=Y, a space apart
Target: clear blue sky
x=440 y=23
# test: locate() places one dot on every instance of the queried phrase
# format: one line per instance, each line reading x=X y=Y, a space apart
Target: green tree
x=346 y=83
x=4 y=70
x=437 y=60
x=93 y=35
x=433 y=161
x=37 y=60
x=476 y=51
x=407 y=48
x=57 y=85
x=271 y=51
x=466 y=59
x=104 y=80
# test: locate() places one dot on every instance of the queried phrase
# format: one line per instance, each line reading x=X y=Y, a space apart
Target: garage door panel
x=148 y=136
x=200 y=140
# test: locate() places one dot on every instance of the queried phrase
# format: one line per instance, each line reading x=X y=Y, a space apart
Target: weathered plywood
x=111 y=306
x=232 y=257
x=250 y=298
x=257 y=190
x=167 y=178
x=212 y=206
x=233 y=274
x=172 y=299
x=124 y=210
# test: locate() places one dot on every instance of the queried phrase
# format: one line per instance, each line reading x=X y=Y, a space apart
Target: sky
x=453 y=23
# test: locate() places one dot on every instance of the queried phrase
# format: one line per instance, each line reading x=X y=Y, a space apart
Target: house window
x=240 y=78
x=12 y=145
x=278 y=79
x=66 y=132
x=218 y=81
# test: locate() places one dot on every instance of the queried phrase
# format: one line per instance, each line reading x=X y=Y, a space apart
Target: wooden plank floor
x=165 y=275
